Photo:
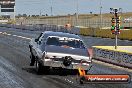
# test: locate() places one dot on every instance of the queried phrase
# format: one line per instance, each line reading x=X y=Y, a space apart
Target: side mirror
x=36 y=40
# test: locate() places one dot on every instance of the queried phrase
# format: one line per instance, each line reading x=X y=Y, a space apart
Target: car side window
x=42 y=44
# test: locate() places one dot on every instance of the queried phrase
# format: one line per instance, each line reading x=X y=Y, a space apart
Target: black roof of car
x=61 y=34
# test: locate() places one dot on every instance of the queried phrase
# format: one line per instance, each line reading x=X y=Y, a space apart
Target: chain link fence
x=94 y=21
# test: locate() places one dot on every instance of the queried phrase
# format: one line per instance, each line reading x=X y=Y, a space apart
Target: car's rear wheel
x=46 y=70
x=39 y=68
x=42 y=69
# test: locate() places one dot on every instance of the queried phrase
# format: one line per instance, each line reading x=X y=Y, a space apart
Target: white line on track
x=5 y=33
x=69 y=80
x=8 y=34
x=14 y=35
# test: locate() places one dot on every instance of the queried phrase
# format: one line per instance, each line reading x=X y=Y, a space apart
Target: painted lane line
x=24 y=37
x=8 y=34
x=5 y=33
x=69 y=81
x=14 y=35
x=19 y=36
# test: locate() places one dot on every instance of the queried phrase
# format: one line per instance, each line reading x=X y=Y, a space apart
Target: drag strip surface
x=15 y=71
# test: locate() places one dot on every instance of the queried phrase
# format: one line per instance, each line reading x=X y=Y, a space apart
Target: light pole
x=40 y=13
x=14 y=15
x=100 y=14
x=77 y=7
x=51 y=8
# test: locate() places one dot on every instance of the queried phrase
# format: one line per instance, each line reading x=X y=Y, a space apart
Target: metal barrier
x=118 y=57
x=44 y=27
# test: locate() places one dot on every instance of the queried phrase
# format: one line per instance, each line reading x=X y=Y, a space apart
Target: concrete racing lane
x=15 y=71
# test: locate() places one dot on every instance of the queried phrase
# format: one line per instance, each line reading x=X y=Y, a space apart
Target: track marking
x=112 y=66
x=14 y=35
x=69 y=81
x=5 y=33
x=8 y=34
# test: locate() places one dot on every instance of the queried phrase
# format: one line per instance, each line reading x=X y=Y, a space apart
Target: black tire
x=46 y=70
x=32 y=57
x=39 y=68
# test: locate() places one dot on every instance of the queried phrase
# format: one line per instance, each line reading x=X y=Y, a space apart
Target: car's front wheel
x=32 y=62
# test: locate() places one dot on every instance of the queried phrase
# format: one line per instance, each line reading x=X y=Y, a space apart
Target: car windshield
x=74 y=43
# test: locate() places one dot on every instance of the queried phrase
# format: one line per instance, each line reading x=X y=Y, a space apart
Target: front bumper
x=73 y=65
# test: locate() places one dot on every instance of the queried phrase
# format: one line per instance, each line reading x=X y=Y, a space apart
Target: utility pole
x=40 y=13
x=77 y=7
x=51 y=8
x=100 y=14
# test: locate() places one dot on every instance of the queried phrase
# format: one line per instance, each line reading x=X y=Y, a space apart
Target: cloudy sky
x=62 y=7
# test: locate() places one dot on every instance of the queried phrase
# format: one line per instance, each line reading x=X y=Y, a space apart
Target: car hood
x=64 y=50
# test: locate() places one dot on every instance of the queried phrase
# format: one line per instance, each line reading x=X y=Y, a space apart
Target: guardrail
x=118 y=57
x=34 y=27
x=43 y=27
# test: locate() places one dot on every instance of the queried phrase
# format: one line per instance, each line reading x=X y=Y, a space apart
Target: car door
x=40 y=47
x=35 y=45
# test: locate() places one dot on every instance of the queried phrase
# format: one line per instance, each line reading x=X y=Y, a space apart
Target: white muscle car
x=57 y=49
